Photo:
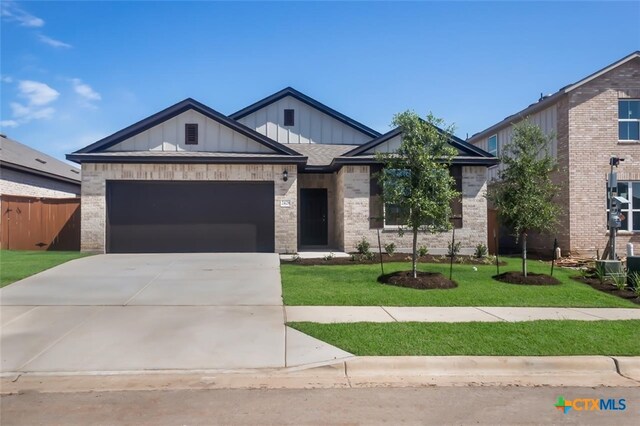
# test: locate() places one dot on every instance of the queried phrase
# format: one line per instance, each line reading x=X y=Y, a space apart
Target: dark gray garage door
x=166 y=217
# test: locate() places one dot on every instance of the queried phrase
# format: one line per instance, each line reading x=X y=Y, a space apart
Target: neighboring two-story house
x=592 y=120
x=282 y=175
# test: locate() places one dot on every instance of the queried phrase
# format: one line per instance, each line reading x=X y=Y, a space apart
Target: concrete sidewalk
x=341 y=314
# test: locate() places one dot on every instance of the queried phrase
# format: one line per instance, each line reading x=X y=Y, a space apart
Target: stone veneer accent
x=353 y=190
x=13 y=182
x=95 y=175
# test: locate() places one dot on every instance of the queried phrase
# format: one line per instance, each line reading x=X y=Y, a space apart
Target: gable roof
x=547 y=101
x=18 y=156
x=470 y=153
x=290 y=91
x=173 y=111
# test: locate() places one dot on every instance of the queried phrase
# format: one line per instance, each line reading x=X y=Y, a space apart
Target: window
x=629 y=120
x=492 y=145
x=289 y=117
x=630 y=210
x=191 y=134
x=395 y=215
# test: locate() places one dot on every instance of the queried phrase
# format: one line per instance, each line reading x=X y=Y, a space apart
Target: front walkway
x=342 y=314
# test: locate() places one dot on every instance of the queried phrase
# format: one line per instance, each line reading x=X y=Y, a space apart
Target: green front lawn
x=356 y=285
x=16 y=265
x=543 y=338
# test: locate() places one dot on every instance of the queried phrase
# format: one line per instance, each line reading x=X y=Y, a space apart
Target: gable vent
x=191 y=134
x=289 y=117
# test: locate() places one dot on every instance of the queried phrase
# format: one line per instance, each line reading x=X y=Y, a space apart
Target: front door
x=313 y=217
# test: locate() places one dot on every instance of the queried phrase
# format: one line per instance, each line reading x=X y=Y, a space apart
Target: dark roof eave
x=464 y=161
x=174 y=110
x=519 y=116
x=37 y=172
x=455 y=141
x=97 y=158
x=290 y=91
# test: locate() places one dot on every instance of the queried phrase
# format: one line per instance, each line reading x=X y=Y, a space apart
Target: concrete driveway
x=152 y=312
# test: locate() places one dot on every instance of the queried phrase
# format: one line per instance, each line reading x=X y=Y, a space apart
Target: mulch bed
x=396 y=257
x=424 y=281
x=609 y=288
x=530 y=279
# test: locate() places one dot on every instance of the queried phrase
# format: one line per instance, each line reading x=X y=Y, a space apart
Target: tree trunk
x=524 y=254
x=414 y=259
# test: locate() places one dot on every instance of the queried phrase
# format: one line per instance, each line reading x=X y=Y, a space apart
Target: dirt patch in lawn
x=530 y=279
x=609 y=288
x=357 y=259
x=424 y=281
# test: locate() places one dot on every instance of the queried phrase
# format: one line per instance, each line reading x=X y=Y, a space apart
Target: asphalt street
x=390 y=406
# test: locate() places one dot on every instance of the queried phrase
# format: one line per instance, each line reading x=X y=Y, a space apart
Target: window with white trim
x=492 y=145
x=629 y=120
x=631 y=210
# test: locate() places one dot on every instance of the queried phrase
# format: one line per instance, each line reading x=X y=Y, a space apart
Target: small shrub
x=363 y=246
x=489 y=260
x=634 y=280
x=423 y=251
x=390 y=248
x=454 y=249
x=600 y=274
x=295 y=258
x=330 y=256
x=368 y=255
x=619 y=280
x=481 y=251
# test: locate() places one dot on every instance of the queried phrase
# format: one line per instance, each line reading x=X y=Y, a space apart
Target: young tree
x=416 y=177
x=524 y=192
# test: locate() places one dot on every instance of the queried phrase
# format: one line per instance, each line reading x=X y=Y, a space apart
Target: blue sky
x=73 y=72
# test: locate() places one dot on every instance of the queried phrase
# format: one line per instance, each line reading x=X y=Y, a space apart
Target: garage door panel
x=164 y=216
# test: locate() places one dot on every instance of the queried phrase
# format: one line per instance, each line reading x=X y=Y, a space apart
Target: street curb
x=483 y=365
x=358 y=372
x=628 y=366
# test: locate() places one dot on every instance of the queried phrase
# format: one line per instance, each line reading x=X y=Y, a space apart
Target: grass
x=346 y=285
x=533 y=338
x=16 y=265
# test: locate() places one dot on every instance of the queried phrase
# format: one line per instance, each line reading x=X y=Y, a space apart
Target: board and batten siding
x=310 y=125
x=547 y=120
x=389 y=146
x=170 y=136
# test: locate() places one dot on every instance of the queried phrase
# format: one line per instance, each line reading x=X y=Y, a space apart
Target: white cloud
x=84 y=90
x=10 y=11
x=6 y=79
x=53 y=42
x=9 y=123
x=37 y=93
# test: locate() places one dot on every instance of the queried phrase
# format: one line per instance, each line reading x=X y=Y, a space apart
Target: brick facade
x=13 y=182
x=353 y=223
x=95 y=175
x=593 y=137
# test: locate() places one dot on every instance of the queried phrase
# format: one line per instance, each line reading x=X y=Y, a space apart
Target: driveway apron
x=131 y=312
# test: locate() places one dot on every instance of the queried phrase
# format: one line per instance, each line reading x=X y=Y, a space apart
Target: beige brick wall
x=13 y=182
x=353 y=182
x=593 y=138
x=95 y=175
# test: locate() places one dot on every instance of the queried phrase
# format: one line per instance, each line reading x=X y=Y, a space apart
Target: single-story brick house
x=282 y=175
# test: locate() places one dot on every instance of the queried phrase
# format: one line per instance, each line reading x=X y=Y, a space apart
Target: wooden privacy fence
x=29 y=223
